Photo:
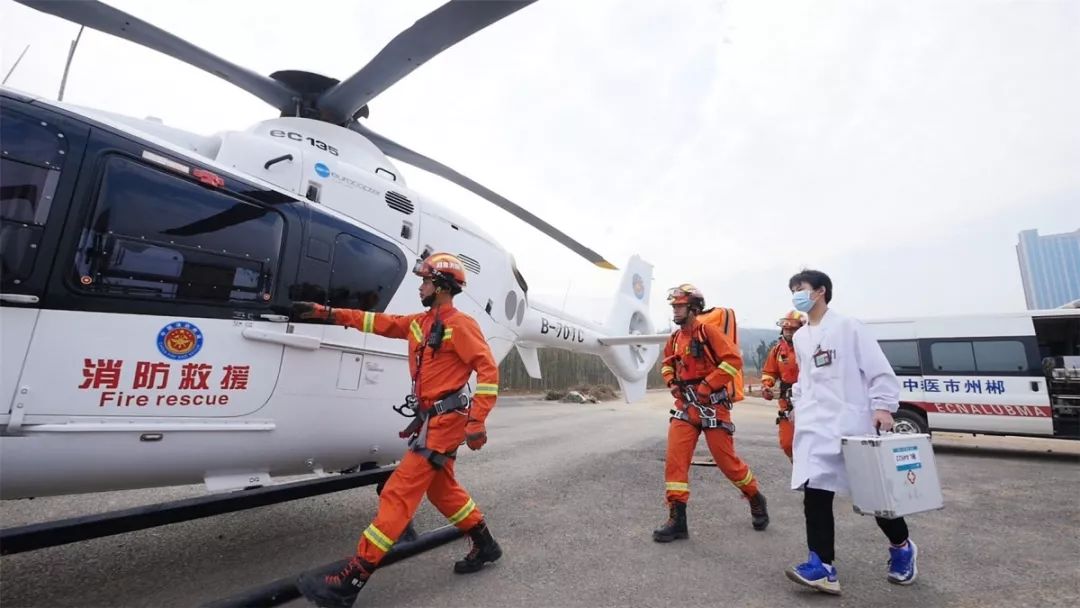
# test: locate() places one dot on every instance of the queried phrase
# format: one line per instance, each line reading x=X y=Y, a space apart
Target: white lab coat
x=837 y=399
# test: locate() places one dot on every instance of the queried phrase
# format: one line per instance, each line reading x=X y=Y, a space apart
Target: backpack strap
x=709 y=352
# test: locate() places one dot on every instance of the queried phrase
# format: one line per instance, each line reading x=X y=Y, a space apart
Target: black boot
x=758 y=512
x=484 y=550
x=675 y=527
x=336 y=590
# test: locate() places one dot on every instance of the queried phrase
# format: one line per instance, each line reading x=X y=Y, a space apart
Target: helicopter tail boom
x=626 y=342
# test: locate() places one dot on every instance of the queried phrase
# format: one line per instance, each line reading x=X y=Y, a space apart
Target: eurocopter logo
x=639 y=287
x=324 y=171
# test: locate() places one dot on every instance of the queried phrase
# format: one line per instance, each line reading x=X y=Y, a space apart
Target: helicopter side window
x=363 y=275
x=155 y=234
x=32 y=153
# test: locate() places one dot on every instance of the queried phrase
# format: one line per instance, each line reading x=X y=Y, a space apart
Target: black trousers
x=821 y=530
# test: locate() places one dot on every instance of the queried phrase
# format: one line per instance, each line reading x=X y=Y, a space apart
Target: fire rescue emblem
x=180 y=340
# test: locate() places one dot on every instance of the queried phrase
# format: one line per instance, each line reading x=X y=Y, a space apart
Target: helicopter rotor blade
x=432 y=34
x=400 y=152
x=104 y=18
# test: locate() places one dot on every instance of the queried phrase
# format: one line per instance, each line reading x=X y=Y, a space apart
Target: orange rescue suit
x=714 y=369
x=780 y=364
x=442 y=372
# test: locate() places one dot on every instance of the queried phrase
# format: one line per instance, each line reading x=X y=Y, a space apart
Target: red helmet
x=793 y=320
x=442 y=266
x=686 y=294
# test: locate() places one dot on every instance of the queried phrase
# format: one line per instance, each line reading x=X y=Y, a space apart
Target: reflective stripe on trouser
x=682 y=440
x=402 y=495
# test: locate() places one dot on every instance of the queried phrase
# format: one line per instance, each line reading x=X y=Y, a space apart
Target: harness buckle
x=678 y=414
x=458 y=401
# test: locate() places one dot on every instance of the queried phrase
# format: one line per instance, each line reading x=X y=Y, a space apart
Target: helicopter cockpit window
x=363 y=275
x=32 y=155
x=157 y=235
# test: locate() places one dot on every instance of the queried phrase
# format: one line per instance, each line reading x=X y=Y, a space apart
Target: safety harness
x=700 y=347
x=455 y=401
x=706 y=411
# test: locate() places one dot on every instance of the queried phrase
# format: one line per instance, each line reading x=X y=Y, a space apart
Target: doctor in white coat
x=846 y=386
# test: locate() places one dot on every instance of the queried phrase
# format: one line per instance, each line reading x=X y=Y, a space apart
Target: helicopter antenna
x=15 y=65
x=67 y=66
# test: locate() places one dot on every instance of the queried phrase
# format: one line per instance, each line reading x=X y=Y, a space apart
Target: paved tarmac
x=572 y=492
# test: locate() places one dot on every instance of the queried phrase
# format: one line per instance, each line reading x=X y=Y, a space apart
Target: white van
x=996 y=374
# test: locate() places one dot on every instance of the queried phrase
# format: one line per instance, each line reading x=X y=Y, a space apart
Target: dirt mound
x=590 y=392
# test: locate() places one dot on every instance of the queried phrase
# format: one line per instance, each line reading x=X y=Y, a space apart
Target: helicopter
x=148 y=273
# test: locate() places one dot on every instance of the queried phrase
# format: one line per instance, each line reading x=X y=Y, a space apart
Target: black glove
x=309 y=310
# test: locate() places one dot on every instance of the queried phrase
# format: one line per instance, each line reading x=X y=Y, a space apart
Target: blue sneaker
x=815 y=575
x=902 y=564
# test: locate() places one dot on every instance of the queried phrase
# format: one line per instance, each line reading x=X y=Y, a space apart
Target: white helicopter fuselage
x=146 y=340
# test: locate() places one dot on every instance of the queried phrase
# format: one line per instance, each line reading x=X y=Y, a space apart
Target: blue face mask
x=801 y=301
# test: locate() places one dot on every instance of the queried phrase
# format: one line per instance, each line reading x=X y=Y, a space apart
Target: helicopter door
x=343 y=267
x=160 y=300
x=38 y=170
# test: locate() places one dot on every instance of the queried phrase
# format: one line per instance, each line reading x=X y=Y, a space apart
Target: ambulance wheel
x=910 y=422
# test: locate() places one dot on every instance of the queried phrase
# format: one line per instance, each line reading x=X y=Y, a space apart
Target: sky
x=900 y=146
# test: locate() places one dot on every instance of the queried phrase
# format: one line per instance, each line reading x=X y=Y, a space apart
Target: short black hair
x=815 y=278
x=447 y=283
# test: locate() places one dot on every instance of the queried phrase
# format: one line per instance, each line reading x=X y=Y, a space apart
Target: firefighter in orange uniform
x=780 y=364
x=445 y=347
x=700 y=366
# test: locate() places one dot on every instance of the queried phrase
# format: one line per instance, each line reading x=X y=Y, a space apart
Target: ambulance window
x=155 y=234
x=1000 y=356
x=363 y=275
x=952 y=357
x=32 y=155
x=903 y=355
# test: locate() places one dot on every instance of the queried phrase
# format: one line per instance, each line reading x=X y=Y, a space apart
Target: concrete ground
x=572 y=492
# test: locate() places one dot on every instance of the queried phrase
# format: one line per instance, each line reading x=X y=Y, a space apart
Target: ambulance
x=993 y=374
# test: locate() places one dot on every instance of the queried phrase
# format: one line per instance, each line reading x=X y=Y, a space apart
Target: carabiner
x=410 y=406
x=706 y=411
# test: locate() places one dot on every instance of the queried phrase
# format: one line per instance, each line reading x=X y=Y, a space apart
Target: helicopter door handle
x=275 y=318
x=18 y=298
x=290 y=340
x=274 y=161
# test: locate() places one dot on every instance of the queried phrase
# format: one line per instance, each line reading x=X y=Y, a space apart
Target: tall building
x=1050 y=268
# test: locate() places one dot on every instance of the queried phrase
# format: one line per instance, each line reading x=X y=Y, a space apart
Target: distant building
x=1050 y=268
